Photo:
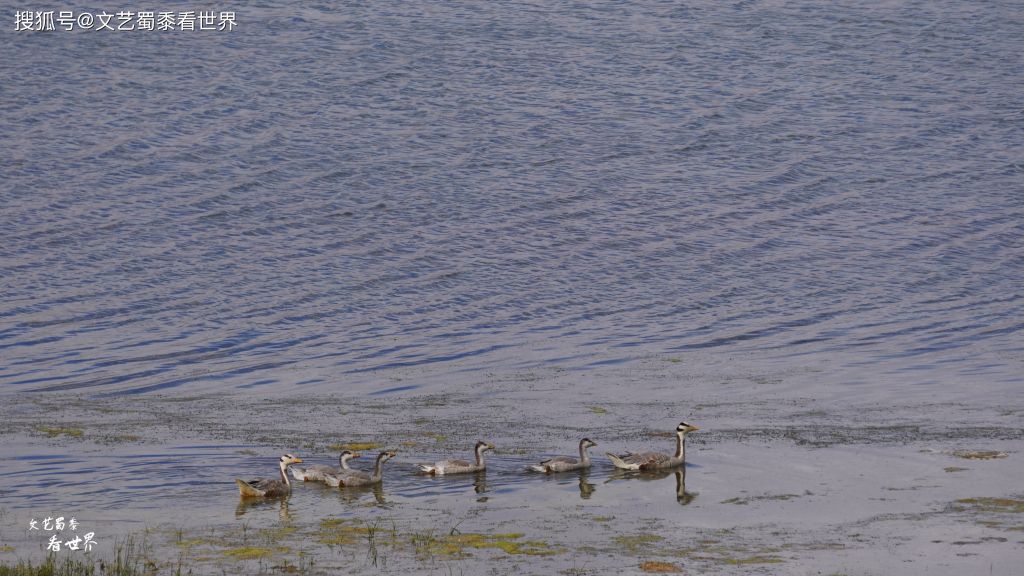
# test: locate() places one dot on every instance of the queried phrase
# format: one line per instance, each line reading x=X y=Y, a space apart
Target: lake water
x=676 y=204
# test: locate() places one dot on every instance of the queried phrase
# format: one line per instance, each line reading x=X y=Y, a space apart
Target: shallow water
x=775 y=485
x=798 y=224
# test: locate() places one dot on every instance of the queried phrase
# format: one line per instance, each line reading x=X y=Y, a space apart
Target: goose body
x=316 y=472
x=655 y=460
x=353 y=477
x=566 y=463
x=442 y=467
x=269 y=487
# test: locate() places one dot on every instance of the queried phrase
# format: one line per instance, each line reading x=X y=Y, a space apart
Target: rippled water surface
x=335 y=189
x=766 y=199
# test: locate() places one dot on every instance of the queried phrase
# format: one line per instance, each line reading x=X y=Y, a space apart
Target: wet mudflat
x=775 y=484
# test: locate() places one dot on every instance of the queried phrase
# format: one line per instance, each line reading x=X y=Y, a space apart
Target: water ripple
x=512 y=186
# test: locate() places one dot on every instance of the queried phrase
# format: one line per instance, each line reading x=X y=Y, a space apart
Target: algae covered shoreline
x=773 y=485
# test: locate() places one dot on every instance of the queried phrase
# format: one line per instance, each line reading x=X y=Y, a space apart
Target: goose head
x=385 y=456
x=588 y=443
x=481 y=446
x=683 y=428
x=288 y=459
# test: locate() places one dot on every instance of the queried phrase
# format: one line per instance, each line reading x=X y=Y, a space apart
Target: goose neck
x=284 y=477
x=584 y=455
x=378 y=468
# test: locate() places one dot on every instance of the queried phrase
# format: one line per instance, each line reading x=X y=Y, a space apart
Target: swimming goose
x=352 y=477
x=459 y=466
x=269 y=487
x=655 y=460
x=316 y=472
x=566 y=463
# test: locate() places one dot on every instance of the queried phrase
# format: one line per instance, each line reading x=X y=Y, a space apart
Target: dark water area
x=337 y=189
x=799 y=225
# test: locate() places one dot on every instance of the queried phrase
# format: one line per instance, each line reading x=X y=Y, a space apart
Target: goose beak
x=296 y=460
x=692 y=427
x=490 y=446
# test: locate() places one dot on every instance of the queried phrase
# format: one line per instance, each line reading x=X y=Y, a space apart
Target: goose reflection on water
x=354 y=494
x=682 y=496
x=582 y=478
x=480 y=484
x=586 y=488
x=249 y=504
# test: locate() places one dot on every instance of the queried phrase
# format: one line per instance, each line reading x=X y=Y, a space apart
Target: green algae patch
x=979 y=454
x=951 y=469
x=334 y=522
x=992 y=505
x=53 y=432
x=655 y=567
x=254 y=552
x=636 y=542
x=194 y=542
x=992 y=512
x=354 y=446
x=507 y=543
x=597 y=410
x=342 y=532
x=276 y=534
x=436 y=437
x=6 y=549
x=229 y=542
x=459 y=545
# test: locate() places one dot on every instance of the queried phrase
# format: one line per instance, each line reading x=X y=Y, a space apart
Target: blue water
x=343 y=190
